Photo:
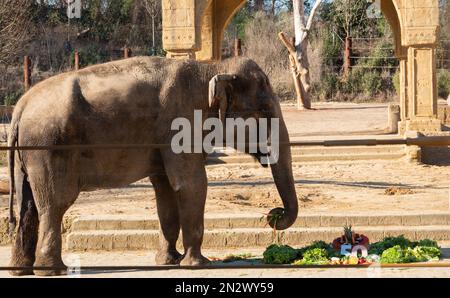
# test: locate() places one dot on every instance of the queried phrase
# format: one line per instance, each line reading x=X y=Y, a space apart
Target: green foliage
x=280 y=254
x=400 y=255
x=397 y=255
x=329 y=84
x=426 y=254
x=89 y=55
x=349 y=17
x=317 y=245
x=12 y=98
x=377 y=248
x=393 y=250
x=240 y=21
x=369 y=78
x=332 y=47
x=239 y=257
x=316 y=256
x=444 y=83
x=428 y=243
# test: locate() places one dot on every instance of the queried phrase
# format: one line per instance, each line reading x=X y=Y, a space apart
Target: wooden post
x=127 y=53
x=26 y=73
x=348 y=56
x=77 y=60
x=237 y=47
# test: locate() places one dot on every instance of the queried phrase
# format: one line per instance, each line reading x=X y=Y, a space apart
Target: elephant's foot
x=164 y=257
x=21 y=272
x=194 y=260
x=52 y=268
x=21 y=262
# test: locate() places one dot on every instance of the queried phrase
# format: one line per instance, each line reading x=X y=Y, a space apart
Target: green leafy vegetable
x=280 y=254
x=428 y=243
x=399 y=255
x=321 y=245
x=316 y=256
x=379 y=247
x=427 y=253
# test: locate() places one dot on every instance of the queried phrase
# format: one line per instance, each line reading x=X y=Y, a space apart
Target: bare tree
x=153 y=9
x=298 y=53
x=15 y=17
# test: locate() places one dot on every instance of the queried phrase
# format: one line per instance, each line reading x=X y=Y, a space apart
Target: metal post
x=26 y=73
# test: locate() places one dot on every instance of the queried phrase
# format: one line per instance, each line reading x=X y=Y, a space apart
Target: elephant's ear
x=218 y=94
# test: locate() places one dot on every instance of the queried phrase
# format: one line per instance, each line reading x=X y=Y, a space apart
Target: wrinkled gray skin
x=130 y=102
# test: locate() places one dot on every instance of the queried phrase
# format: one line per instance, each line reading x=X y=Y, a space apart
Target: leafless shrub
x=15 y=18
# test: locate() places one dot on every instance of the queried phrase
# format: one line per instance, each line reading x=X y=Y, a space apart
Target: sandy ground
x=334 y=119
x=146 y=259
x=351 y=118
x=322 y=188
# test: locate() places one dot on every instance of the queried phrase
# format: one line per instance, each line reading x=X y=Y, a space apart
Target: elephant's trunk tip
x=281 y=219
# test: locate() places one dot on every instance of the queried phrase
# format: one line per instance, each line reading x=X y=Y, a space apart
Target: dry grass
x=262 y=45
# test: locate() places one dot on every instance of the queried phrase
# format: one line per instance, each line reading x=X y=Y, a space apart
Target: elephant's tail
x=12 y=141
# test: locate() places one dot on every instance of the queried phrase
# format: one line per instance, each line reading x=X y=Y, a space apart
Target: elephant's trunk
x=283 y=218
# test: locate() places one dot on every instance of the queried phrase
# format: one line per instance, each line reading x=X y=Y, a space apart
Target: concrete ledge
x=242 y=238
x=233 y=222
x=320 y=154
x=121 y=232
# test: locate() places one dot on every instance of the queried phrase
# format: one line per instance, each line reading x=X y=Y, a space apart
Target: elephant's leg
x=49 y=247
x=187 y=175
x=23 y=252
x=53 y=198
x=169 y=221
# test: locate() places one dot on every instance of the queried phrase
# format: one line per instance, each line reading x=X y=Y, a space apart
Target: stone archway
x=194 y=29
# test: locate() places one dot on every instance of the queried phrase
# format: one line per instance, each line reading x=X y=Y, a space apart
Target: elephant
x=131 y=101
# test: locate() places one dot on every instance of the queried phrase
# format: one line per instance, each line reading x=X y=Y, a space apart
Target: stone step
x=243 y=238
x=96 y=223
x=243 y=159
x=320 y=150
x=313 y=154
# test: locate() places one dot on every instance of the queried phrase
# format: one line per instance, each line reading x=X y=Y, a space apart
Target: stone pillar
x=403 y=94
x=422 y=90
x=420 y=26
x=180 y=28
x=207 y=49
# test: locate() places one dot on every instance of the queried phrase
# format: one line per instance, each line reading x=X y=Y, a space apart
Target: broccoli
x=280 y=254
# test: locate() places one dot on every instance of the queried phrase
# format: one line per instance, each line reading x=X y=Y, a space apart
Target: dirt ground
x=384 y=187
x=146 y=259
x=322 y=188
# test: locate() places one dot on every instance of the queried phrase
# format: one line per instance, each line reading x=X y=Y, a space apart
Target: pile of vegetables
x=392 y=250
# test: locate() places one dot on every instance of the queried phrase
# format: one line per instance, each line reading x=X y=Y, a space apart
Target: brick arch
x=194 y=29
